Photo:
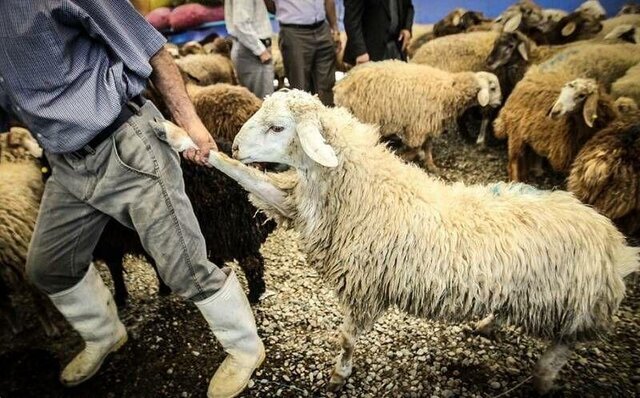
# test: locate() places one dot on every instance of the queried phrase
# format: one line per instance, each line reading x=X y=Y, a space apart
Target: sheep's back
x=603 y=62
x=457 y=53
x=208 y=68
x=628 y=85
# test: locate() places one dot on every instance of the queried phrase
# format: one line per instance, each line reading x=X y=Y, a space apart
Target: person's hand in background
x=265 y=57
x=362 y=59
x=405 y=38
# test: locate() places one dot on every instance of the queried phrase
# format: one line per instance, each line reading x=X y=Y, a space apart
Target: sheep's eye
x=277 y=129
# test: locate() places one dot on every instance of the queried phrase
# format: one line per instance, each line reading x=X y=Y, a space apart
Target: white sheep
x=384 y=233
x=415 y=102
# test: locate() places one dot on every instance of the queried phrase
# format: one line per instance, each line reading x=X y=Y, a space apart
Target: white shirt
x=248 y=21
x=300 y=12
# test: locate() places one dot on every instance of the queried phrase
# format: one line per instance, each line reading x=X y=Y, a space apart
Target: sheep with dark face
x=457 y=21
x=630 y=8
x=383 y=233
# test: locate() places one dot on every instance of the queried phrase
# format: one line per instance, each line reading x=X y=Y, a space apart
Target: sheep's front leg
x=428 y=157
x=252 y=180
x=482 y=137
x=485 y=326
x=344 y=362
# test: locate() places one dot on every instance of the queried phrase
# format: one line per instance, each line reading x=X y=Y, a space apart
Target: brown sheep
x=531 y=128
x=606 y=173
x=234 y=104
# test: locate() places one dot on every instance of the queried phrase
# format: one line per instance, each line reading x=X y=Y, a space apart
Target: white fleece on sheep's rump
x=385 y=233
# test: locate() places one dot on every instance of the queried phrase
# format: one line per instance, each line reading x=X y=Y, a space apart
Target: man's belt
x=128 y=110
x=312 y=26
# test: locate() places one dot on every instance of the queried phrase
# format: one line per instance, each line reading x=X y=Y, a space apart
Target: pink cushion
x=191 y=15
x=159 y=18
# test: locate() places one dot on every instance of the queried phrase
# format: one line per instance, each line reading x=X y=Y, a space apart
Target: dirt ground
x=171 y=352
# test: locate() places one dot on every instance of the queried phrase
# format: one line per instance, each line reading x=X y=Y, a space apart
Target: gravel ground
x=171 y=353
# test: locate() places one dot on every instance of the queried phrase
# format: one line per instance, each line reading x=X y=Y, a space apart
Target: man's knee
x=37 y=272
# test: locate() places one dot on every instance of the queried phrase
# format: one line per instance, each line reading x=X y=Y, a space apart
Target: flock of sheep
x=562 y=87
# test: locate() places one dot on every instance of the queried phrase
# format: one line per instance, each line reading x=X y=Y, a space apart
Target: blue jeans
x=135 y=178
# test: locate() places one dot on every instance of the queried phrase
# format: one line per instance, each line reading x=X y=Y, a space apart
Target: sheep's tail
x=629 y=261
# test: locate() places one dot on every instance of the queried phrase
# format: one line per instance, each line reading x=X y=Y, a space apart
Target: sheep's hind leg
x=548 y=367
x=349 y=331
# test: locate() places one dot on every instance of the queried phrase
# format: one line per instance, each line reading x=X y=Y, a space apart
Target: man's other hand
x=265 y=56
x=205 y=143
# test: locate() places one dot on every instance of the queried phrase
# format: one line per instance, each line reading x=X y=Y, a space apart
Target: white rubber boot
x=231 y=320
x=89 y=308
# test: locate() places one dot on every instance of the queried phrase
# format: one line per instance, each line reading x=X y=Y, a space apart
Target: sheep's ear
x=568 y=29
x=456 y=19
x=590 y=109
x=483 y=96
x=512 y=23
x=314 y=145
x=522 y=49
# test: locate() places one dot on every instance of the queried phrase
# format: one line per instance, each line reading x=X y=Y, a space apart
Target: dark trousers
x=309 y=59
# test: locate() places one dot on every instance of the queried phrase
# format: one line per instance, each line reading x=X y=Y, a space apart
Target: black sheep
x=233 y=230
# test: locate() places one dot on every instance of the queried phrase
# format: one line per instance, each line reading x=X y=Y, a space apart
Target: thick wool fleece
x=606 y=173
x=410 y=100
x=384 y=233
x=628 y=85
x=461 y=52
x=223 y=108
x=21 y=188
x=206 y=69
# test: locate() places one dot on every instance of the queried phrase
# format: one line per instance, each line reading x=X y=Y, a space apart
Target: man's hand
x=203 y=140
x=265 y=57
x=405 y=38
x=362 y=59
x=337 y=42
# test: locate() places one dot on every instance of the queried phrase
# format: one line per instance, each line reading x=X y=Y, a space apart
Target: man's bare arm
x=167 y=79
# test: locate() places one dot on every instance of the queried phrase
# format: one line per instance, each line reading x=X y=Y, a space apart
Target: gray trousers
x=135 y=178
x=252 y=73
x=309 y=58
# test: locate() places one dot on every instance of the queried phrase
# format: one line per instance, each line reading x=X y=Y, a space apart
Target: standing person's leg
x=324 y=66
x=298 y=51
x=252 y=73
x=58 y=263
x=141 y=185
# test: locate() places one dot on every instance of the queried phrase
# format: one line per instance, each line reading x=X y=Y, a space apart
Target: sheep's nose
x=234 y=150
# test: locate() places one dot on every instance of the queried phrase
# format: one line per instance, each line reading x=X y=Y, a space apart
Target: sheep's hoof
x=336 y=382
x=544 y=385
x=432 y=169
